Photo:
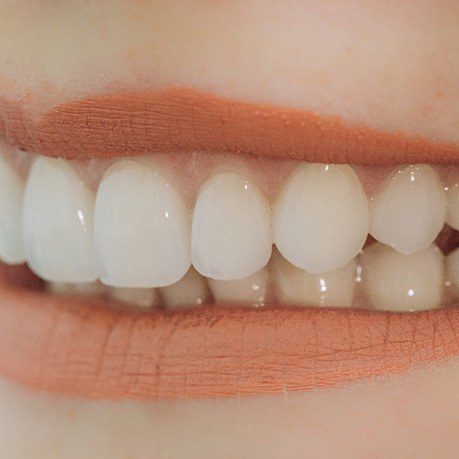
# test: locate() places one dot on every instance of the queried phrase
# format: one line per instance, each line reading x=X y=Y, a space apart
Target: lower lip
x=82 y=348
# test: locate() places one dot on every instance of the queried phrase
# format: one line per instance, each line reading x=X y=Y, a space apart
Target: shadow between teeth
x=140 y=237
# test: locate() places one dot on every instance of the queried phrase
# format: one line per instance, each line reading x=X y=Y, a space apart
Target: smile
x=216 y=272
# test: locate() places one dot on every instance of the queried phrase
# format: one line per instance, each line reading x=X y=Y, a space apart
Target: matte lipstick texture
x=83 y=348
x=182 y=119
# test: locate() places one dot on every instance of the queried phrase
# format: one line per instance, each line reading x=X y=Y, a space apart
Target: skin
x=390 y=65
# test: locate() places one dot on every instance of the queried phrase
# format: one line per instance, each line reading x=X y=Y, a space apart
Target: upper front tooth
x=58 y=223
x=453 y=206
x=321 y=217
x=11 y=196
x=231 y=231
x=142 y=228
x=410 y=211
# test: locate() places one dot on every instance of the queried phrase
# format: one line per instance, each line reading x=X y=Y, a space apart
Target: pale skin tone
x=390 y=65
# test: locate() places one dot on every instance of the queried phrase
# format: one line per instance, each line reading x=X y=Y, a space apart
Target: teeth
x=411 y=210
x=142 y=297
x=452 y=271
x=253 y=289
x=58 y=223
x=296 y=286
x=453 y=206
x=11 y=196
x=398 y=282
x=231 y=233
x=142 y=228
x=84 y=288
x=188 y=291
x=320 y=220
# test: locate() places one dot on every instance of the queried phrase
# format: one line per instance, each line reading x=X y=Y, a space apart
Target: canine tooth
x=320 y=219
x=191 y=290
x=142 y=228
x=296 y=286
x=142 y=297
x=398 y=282
x=11 y=197
x=453 y=206
x=252 y=289
x=231 y=231
x=452 y=271
x=410 y=211
x=58 y=217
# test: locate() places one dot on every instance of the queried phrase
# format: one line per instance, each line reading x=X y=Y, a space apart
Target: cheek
x=393 y=69
x=405 y=416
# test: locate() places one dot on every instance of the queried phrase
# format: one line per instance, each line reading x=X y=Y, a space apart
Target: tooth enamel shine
x=410 y=211
x=397 y=282
x=320 y=220
x=58 y=223
x=231 y=232
x=296 y=286
x=142 y=228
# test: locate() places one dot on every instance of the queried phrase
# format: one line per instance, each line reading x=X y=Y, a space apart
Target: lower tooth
x=83 y=288
x=252 y=290
x=452 y=271
x=397 y=282
x=191 y=290
x=298 y=287
x=142 y=297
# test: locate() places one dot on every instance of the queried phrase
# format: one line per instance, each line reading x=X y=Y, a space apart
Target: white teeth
x=84 y=288
x=142 y=228
x=191 y=290
x=397 y=282
x=453 y=206
x=11 y=196
x=410 y=211
x=142 y=297
x=58 y=223
x=452 y=271
x=296 y=286
x=231 y=232
x=320 y=220
x=253 y=289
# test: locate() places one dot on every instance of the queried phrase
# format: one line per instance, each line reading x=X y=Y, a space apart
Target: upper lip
x=95 y=352
x=178 y=119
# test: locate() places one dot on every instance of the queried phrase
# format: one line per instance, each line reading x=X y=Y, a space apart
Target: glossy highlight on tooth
x=266 y=325
x=186 y=119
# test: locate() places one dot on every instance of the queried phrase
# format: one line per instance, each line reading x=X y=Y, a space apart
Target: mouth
x=212 y=268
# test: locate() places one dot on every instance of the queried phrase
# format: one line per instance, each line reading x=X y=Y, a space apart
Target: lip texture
x=80 y=348
x=180 y=119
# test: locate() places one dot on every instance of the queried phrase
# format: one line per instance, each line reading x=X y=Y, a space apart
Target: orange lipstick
x=180 y=119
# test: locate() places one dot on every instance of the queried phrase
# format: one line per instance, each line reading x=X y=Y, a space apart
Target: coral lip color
x=181 y=119
x=81 y=348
